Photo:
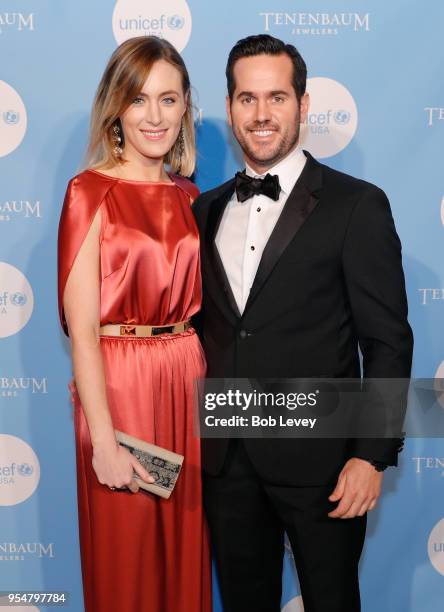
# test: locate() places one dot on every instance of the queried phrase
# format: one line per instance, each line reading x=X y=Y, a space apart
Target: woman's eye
x=169 y=100
x=138 y=100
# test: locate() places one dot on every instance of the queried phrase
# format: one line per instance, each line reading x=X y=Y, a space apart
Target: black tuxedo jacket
x=330 y=280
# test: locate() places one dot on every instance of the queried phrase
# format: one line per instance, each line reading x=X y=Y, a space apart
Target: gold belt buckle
x=127 y=330
x=163 y=329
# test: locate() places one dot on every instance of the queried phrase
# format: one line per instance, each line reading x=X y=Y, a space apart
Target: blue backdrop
x=377 y=91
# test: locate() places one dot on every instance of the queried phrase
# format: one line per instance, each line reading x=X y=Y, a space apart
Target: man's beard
x=286 y=144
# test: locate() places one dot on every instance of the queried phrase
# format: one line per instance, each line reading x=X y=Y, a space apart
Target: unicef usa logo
x=19 y=470
x=16 y=300
x=170 y=19
x=332 y=119
x=435 y=547
x=13 y=119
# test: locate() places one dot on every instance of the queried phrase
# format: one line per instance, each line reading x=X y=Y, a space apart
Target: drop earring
x=180 y=146
x=117 y=138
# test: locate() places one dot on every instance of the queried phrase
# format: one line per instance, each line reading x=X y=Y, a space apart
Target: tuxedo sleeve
x=375 y=285
x=197 y=208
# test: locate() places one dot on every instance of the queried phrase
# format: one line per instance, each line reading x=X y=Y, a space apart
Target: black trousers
x=247 y=519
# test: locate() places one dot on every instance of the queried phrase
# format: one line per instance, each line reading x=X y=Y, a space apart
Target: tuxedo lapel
x=215 y=276
x=299 y=205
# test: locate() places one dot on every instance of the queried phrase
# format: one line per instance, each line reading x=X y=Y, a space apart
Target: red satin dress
x=141 y=553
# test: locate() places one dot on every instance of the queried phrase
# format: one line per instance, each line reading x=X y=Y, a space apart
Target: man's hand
x=358 y=488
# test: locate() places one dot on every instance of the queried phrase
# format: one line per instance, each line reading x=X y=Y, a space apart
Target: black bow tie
x=247 y=186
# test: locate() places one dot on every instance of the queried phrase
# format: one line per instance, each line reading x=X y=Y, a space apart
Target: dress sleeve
x=186 y=185
x=83 y=197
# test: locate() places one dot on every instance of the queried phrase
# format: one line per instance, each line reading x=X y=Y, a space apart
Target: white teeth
x=152 y=133
x=263 y=132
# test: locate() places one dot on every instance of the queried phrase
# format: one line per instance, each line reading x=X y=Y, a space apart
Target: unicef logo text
x=8 y=472
x=174 y=22
x=19 y=470
x=147 y=25
x=319 y=122
x=16 y=300
x=170 y=19
x=332 y=119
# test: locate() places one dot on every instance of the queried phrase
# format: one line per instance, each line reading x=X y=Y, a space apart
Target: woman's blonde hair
x=121 y=83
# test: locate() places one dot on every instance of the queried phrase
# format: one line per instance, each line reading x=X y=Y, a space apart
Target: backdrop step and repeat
x=377 y=87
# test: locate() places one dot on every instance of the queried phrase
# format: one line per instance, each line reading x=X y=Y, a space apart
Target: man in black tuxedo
x=299 y=269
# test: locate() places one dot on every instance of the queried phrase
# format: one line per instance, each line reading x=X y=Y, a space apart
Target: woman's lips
x=153 y=134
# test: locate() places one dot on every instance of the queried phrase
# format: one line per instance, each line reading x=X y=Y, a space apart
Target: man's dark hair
x=264 y=44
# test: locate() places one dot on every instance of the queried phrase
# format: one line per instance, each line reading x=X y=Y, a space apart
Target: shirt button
x=258 y=209
x=252 y=247
x=242 y=334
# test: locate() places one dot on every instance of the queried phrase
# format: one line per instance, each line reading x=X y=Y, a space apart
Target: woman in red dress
x=129 y=258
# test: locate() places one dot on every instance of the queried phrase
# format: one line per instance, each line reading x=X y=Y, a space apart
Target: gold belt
x=143 y=331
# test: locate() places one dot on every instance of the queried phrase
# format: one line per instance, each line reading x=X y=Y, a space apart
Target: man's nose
x=262 y=111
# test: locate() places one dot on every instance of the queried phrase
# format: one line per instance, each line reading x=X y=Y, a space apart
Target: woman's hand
x=114 y=466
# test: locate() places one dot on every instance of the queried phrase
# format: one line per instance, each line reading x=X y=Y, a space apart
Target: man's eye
x=278 y=99
x=247 y=100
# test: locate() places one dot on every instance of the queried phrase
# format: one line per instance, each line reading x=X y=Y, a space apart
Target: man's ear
x=304 y=106
x=228 y=108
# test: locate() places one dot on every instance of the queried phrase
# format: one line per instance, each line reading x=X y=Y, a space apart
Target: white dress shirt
x=245 y=227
